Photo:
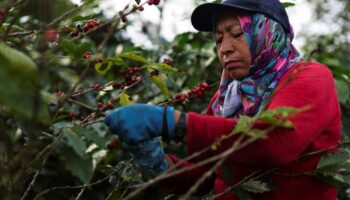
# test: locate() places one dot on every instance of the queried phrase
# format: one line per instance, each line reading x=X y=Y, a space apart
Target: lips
x=232 y=64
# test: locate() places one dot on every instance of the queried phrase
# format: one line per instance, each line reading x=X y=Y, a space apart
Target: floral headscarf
x=272 y=55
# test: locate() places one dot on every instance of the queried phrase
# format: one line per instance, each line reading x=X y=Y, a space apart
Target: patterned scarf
x=272 y=55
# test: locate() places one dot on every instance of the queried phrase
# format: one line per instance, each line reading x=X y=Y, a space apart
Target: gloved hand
x=149 y=155
x=140 y=122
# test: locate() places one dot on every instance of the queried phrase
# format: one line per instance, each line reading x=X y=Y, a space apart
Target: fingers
x=107 y=119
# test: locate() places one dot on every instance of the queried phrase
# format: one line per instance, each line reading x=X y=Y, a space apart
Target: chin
x=238 y=76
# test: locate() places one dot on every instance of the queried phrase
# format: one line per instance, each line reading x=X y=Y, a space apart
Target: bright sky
x=176 y=18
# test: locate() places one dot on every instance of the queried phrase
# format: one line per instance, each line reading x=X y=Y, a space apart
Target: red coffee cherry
x=100 y=104
x=113 y=144
x=153 y=2
x=96 y=86
x=2 y=13
x=110 y=104
x=204 y=85
x=51 y=35
x=87 y=55
x=59 y=94
x=73 y=115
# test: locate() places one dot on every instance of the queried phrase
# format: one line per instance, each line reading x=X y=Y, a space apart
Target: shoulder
x=309 y=72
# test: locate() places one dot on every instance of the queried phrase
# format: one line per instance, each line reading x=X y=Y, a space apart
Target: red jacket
x=316 y=129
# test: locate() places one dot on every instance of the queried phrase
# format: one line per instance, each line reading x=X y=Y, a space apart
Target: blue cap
x=202 y=16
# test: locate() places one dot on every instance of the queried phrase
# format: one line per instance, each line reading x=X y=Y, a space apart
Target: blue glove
x=149 y=155
x=140 y=122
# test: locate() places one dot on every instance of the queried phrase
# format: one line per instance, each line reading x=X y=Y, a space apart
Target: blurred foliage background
x=50 y=146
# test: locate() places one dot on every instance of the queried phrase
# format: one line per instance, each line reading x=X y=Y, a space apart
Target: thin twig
x=185 y=169
x=64 y=15
x=80 y=186
x=110 y=33
x=31 y=184
x=80 y=193
x=169 y=173
x=72 y=89
x=82 y=104
x=14 y=19
x=325 y=150
x=10 y=5
x=211 y=171
x=273 y=170
x=24 y=33
x=102 y=25
x=49 y=149
x=111 y=193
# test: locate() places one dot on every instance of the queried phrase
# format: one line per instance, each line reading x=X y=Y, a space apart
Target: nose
x=227 y=47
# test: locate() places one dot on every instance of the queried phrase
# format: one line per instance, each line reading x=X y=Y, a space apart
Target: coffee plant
x=63 y=66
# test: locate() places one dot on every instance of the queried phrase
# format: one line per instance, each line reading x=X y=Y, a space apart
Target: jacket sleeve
x=312 y=85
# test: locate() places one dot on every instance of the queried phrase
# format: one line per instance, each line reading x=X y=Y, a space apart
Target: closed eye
x=237 y=35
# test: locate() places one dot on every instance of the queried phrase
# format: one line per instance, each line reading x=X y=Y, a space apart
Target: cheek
x=220 y=56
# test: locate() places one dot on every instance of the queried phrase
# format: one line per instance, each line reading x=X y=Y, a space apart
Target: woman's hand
x=149 y=155
x=140 y=122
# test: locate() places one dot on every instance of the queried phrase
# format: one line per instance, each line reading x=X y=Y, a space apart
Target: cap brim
x=202 y=16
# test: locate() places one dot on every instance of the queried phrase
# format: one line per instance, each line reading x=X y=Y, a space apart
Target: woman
x=253 y=40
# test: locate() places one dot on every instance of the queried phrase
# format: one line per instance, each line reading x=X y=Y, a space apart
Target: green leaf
x=18 y=85
x=257 y=186
x=133 y=56
x=103 y=67
x=332 y=159
x=330 y=163
x=288 y=4
x=93 y=136
x=116 y=61
x=81 y=18
x=343 y=178
x=125 y=99
x=162 y=67
x=280 y=111
x=343 y=91
x=244 y=124
x=256 y=133
x=76 y=49
x=337 y=175
x=81 y=168
x=272 y=117
x=242 y=194
x=75 y=141
x=160 y=84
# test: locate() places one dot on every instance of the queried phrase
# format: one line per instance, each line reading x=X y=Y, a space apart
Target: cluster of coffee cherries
x=153 y=2
x=73 y=115
x=95 y=86
x=168 y=61
x=198 y=91
x=131 y=76
x=87 y=55
x=88 y=25
x=105 y=105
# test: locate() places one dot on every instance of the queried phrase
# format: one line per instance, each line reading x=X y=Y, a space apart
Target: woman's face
x=232 y=48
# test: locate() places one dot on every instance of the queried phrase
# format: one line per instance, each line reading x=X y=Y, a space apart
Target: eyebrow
x=227 y=28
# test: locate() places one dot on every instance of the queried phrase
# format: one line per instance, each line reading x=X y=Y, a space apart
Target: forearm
x=177 y=117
